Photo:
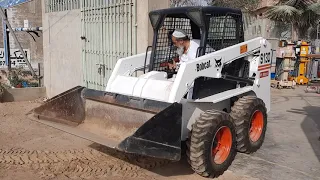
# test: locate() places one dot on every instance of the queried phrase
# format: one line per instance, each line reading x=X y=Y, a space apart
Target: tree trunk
x=294 y=32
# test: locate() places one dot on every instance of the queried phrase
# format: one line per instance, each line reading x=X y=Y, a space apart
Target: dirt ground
x=32 y=151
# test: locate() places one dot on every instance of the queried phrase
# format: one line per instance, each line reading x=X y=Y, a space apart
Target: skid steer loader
x=151 y=113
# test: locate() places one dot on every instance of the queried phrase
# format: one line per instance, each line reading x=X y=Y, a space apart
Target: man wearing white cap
x=187 y=49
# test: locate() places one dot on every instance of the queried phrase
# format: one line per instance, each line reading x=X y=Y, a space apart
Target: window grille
x=223 y=32
x=165 y=50
x=61 y=5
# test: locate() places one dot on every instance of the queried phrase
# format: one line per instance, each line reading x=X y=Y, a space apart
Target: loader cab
x=215 y=27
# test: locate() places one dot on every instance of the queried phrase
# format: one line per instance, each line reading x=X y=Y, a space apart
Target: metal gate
x=108 y=33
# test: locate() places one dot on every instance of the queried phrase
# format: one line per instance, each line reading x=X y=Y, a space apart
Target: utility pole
x=6 y=43
x=5 y=19
x=318 y=40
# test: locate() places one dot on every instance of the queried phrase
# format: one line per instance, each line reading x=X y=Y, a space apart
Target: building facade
x=24 y=15
x=83 y=40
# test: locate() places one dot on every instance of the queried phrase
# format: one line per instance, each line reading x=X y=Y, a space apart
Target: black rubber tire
x=241 y=113
x=199 y=144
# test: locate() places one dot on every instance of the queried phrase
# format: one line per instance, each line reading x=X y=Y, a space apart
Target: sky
x=9 y=3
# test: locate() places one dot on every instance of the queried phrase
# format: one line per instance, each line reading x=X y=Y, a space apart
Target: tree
x=303 y=15
x=178 y=3
x=247 y=5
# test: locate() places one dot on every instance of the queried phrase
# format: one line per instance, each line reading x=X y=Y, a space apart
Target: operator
x=186 y=48
x=187 y=51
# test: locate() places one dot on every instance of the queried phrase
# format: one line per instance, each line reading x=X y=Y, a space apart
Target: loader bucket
x=128 y=124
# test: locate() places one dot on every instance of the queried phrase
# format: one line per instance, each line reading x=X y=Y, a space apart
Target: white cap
x=179 y=33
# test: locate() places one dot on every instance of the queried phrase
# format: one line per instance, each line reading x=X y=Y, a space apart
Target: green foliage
x=18 y=76
x=284 y=13
x=302 y=14
x=247 y=5
x=14 y=77
x=315 y=7
x=4 y=86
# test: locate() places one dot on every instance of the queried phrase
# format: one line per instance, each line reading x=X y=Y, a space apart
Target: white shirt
x=191 y=52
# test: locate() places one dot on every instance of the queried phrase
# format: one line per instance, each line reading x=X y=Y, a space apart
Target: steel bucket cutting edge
x=128 y=124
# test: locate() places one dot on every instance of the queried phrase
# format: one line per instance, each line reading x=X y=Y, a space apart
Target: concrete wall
x=256 y=26
x=144 y=28
x=62 y=51
x=16 y=15
x=62 y=44
x=23 y=94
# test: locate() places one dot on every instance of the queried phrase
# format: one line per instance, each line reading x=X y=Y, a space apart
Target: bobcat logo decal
x=218 y=62
x=203 y=65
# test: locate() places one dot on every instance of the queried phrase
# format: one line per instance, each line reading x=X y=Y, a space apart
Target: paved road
x=292 y=146
x=291 y=150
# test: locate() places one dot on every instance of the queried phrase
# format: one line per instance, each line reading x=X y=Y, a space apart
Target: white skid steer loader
x=151 y=114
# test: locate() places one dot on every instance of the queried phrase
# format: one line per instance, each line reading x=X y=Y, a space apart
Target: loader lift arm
x=211 y=66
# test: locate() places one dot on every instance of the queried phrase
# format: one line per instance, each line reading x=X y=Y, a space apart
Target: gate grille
x=109 y=33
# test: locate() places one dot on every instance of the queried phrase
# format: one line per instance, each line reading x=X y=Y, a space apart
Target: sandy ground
x=32 y=151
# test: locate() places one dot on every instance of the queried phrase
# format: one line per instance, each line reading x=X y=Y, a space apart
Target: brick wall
x=32 y=12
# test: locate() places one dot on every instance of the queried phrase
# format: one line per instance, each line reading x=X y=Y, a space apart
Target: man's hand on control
x=172 y=65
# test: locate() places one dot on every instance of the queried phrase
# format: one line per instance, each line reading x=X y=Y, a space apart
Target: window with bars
x=61 y=5
x=224 y=31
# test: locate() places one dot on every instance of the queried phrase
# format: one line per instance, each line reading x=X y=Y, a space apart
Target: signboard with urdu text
x=16 y=58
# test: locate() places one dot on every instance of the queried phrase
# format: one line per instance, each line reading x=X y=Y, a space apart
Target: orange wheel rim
x=256 y=126
x=221 y=145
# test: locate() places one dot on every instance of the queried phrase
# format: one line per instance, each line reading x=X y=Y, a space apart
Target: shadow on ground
x=311 y=126
x=161 y=167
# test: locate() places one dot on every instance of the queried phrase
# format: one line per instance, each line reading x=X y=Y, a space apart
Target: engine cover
x=153 y=85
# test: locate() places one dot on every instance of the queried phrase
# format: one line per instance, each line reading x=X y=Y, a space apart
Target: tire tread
x=240 y=115
x=200 y=139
